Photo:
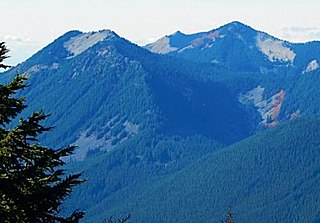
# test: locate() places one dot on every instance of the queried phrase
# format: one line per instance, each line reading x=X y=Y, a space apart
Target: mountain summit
x=179 y=41
x=238 y=47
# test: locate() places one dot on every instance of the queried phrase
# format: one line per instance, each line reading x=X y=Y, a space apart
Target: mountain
x=143 y=119
x=134 y=115
x=102 y=90
x=241 y=48
x=277 y=68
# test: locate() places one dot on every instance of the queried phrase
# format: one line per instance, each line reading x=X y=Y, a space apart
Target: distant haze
x=30 y=25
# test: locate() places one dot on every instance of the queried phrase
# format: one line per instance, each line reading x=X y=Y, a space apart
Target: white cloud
x=301 y=34
x=299 y=29
x=20 y=48
x=11 y=38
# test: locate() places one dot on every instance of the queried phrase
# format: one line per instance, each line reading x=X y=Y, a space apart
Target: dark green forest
x=269 y=177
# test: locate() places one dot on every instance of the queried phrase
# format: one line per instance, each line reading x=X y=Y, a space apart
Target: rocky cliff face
x=268 y=108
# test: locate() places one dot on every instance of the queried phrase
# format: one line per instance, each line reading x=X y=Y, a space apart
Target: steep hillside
x=270 y=177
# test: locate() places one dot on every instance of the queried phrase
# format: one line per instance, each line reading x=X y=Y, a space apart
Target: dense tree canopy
x=32 y=183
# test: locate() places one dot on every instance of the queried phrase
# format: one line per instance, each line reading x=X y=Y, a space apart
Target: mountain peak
x=178 y=40
x=235 y=25
x=178 y=33
x=83 y=41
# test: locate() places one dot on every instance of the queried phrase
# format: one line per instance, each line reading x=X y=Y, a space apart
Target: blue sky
x=32 y=24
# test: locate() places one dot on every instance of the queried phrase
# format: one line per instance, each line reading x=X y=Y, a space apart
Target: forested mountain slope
x=273 y=176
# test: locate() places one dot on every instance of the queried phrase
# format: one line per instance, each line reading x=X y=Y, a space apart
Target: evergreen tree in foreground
x=32 y=184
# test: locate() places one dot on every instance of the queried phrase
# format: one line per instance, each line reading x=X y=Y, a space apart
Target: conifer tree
x=229 y=216
x=33 y=184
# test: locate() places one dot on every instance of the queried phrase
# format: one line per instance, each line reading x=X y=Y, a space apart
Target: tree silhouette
x=229 y=216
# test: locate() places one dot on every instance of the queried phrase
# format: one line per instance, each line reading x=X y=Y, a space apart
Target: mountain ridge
x=239 y=47
x=109 y=69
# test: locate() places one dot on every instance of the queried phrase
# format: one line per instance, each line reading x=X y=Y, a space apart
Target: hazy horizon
x=32 y=25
